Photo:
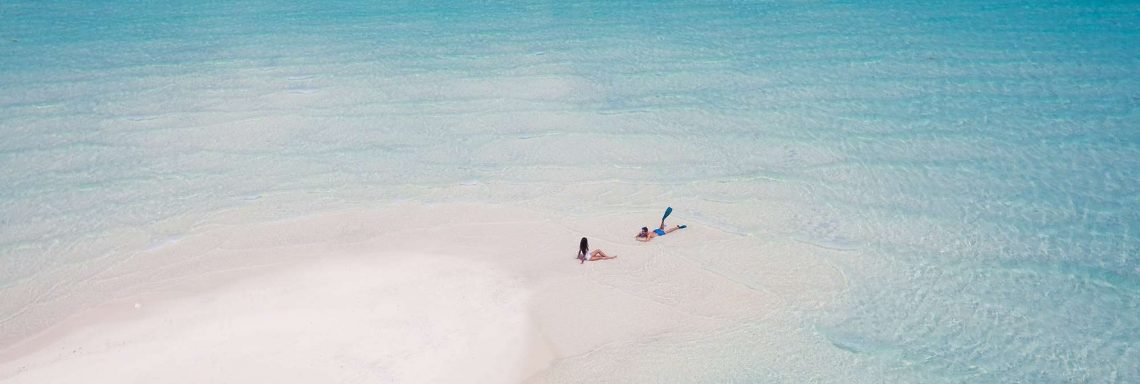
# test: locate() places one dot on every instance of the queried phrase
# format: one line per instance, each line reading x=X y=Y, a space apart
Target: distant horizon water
x=971 y=167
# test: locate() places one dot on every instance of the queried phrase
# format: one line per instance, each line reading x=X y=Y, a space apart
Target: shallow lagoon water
x=970 y=167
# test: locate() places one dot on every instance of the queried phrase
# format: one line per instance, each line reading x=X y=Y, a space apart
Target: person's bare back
x=645 y=235
x=585 y=254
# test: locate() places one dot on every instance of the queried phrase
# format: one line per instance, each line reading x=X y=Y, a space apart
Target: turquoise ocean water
x=972 y=167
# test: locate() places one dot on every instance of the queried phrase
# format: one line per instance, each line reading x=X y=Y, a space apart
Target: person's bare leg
x=600 y=255
x=673 y=229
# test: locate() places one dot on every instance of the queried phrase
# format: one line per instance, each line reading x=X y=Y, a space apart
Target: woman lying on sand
x=585 y=254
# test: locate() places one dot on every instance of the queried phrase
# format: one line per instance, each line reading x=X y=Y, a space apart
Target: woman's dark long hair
x=583 y=247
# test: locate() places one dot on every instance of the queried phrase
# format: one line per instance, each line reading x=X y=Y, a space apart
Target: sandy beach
x=318 y=191
x=496 y=297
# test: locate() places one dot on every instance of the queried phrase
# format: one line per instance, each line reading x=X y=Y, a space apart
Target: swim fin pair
x=669 y=210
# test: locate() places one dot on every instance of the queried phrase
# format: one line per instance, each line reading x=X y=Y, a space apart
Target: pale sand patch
x=441 y=293
x=407 y=318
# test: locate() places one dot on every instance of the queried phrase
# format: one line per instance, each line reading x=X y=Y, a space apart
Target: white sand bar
x=343 y=320
x=455 y=293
